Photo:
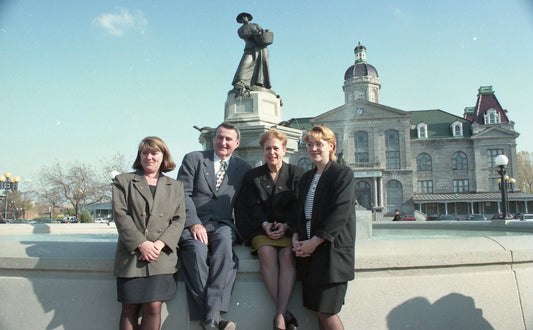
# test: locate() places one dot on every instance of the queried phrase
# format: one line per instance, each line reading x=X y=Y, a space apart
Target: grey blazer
x=139 y=218
x=203 y=201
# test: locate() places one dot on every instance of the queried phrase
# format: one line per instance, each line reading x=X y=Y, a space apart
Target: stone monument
x=252 y=104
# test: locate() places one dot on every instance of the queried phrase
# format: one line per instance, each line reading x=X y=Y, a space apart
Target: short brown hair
x=227 y=125
x=155 y=143
x=273 y=133
x=323 y=133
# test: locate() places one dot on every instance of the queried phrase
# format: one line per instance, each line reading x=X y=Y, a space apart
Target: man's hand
x=198 y=232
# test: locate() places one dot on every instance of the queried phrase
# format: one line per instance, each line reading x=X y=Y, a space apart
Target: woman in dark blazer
x=149 y=212
x=324 y=238
x=269 y=194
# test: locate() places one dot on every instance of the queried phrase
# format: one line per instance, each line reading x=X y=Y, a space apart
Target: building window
x=422 y=129
x=493 y=184
x=361 y=95
x=394 y=195
x=459 y=161
x=425 y=187
x=491 y=156
x=457 y=128
x=492 y=117
x=460 y=186
x=423 y=162
x=392 y=149
x=305 y=163
x=361 y=147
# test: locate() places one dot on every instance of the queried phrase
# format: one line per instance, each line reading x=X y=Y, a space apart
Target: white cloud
x=118 y=24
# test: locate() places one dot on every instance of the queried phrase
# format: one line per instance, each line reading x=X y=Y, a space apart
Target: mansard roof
x=438 y=123
x=486 y=99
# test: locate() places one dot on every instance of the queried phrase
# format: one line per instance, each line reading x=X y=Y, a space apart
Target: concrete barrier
x=469 y=283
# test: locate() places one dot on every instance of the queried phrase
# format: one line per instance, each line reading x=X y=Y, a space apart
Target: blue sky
x=83 y=80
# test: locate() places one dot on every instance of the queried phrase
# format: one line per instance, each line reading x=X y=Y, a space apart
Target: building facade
x=431 y=160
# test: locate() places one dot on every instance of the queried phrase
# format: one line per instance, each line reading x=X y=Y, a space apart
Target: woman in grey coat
x=149 y=212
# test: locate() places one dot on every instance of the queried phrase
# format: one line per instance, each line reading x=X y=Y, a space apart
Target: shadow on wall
x=77 y=300
x=453 y=311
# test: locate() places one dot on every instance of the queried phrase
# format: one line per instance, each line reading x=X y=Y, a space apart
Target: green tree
x=85 y=216
x=525 y=171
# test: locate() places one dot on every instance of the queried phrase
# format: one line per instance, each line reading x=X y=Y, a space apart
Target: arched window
x=362 y=194
x=305 y=163
x=457 y=128
x=423 y=162
x=422 y=129
x=394 y=195
x=361 y=147
x=392 y=149
x=459 y=161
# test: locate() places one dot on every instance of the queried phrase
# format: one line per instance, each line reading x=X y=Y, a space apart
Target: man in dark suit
x=211 y=181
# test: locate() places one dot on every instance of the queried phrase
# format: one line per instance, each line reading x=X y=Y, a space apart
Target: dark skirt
x=327 y=298
x=140 y=290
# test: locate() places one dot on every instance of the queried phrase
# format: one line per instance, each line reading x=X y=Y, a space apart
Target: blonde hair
x=323 y=133
x=273 y=134
x=155 y=143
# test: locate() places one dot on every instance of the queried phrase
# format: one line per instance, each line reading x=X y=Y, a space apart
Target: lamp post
x=8 y=183
x=502 y=161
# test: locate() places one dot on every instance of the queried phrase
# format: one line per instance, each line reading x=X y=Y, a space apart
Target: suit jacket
x=333 y=219
x=140 y=217
x=265 y=200
x=202 y=200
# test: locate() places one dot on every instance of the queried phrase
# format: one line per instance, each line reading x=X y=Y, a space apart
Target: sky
x=82 y=81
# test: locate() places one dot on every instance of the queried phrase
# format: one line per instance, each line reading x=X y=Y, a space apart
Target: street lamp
x=7 y=182
x=501 y=161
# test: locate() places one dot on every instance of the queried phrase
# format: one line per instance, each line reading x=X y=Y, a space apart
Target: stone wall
x=469 y=283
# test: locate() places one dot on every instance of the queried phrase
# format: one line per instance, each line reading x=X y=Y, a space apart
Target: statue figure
x=253 y=68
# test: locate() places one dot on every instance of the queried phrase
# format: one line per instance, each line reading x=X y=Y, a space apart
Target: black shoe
x=226 y=325
x=210 y=325
x=291 y=323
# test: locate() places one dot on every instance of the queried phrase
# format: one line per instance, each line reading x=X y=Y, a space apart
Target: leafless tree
x=77 y=184
x=525 y=171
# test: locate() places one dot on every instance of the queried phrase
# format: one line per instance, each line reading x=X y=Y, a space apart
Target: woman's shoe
x=290 y=321
x=274 y=324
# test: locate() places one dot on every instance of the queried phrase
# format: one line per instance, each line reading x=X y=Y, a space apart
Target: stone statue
x=252 y=73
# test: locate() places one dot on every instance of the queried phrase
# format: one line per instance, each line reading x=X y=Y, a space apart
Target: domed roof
x=360 y=70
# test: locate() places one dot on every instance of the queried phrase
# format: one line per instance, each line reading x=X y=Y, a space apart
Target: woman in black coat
x=269 y=194
x=324 y=238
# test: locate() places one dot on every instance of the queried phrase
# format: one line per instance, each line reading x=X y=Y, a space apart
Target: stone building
x=431 y=160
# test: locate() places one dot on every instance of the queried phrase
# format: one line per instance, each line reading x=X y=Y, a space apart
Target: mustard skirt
x=263 y=240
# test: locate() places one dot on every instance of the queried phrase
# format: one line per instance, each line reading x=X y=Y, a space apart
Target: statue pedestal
x=255 y=107
x=254 y=114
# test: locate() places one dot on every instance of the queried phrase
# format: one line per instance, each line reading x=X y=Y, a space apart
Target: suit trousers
x=208 y=271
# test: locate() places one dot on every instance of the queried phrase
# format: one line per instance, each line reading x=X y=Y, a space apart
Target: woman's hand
x=275 y=230
x=304 y=249
x=149 y=251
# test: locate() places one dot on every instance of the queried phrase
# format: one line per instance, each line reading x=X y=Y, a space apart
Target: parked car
x=408 y=217
x=449 y=217
x=500 y=216
x=433 y=217
x=476 y=217
x=526 y=217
